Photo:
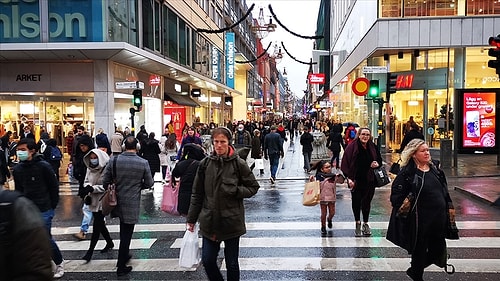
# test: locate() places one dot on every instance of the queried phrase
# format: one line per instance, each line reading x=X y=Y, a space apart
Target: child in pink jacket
x=328 y=188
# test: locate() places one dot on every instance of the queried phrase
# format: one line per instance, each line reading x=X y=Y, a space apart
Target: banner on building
x=230 y=59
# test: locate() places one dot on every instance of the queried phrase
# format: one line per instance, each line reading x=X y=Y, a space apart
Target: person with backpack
x=51 y=153
x=36 y=180
x=24 y=243
x=349 y=134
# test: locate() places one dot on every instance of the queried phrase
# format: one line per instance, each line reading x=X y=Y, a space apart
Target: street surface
x=283 y=240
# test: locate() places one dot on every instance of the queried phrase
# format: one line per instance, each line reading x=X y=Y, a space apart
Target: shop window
x=430 y=8
x=390 y=8
x=483 y=7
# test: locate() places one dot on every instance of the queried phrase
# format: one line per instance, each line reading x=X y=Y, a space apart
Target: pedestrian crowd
x=212 y=186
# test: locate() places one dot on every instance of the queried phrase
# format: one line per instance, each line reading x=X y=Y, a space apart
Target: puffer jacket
x=38 y=182
x=219 y=187
x=94 y=177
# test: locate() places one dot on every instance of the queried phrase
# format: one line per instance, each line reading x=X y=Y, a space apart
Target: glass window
x=430 y=8
x=147 y=22
x=157 y=27
x=390 y=8
x=483 y=7
x=172 y=35
x=182 y=42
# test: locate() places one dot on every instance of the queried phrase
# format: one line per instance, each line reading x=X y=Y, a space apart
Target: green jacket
x=219 y=187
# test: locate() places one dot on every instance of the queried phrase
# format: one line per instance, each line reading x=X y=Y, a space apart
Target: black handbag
x=451 y=229
x=381 y=176
x=395 y=167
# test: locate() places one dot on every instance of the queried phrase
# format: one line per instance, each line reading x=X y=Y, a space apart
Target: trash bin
x=445 y=155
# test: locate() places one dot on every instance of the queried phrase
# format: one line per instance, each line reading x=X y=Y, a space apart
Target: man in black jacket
x=24 y=244
x=272 y=151
x=306 y=141
x=36 y=180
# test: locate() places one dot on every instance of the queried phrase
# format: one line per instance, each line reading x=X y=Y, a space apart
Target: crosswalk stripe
x=142 y=243
x=462 y=225
x=348 y=242
x=290 y=264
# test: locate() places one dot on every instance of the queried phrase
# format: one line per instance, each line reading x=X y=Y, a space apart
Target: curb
x=477 y=197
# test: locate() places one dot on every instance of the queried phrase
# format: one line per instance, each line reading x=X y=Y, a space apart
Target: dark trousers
x=361 y=201
x=99 y=227
x=126 y=231
x=209 y=252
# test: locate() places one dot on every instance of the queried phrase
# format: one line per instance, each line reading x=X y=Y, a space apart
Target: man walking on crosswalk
x=273 y=149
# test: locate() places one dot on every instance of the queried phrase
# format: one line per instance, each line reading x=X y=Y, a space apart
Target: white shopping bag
x=259 y=164
x=190 y=249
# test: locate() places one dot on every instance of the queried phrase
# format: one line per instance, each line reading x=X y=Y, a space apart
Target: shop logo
x=404 y=81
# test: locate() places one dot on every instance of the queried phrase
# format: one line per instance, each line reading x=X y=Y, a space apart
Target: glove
x=88 y=189
x=265 y=157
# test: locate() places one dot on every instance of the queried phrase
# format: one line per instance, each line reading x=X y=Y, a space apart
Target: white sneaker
x=59 y=270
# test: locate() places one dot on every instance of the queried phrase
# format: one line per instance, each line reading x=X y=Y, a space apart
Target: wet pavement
x=476 y=175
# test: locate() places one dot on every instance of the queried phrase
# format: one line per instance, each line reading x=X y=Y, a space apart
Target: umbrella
x=345 y=124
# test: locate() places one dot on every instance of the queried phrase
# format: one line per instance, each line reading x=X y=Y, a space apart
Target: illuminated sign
x=154 y=80
x=404 y=81
x=479 y=117
x=215 y=64
x=230 y=59
x=68 y=21
x=316 y=78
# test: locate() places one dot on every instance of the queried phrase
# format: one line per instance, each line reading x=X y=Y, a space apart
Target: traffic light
x=374 y=91
x=137 y=99
x=391 y=85
x=494 y=52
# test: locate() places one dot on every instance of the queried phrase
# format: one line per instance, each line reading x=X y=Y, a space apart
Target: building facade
x=62 y=59
x=434 y=47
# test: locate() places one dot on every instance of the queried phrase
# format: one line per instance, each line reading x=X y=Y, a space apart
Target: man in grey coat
x=132 y=175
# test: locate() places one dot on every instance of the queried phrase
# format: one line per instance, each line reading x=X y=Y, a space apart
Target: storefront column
x=104 y=102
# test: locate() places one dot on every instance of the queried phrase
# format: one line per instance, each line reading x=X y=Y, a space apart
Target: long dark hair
x=171 y=141
x=319 y=165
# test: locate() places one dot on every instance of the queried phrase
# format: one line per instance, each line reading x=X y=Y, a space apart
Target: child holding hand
x=328 y=188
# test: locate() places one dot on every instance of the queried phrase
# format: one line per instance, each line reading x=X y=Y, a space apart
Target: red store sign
x=316 y=78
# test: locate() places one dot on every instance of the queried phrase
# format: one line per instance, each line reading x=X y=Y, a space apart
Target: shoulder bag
x=108 y=199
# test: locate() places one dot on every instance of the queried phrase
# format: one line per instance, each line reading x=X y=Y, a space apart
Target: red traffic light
x=494 y=41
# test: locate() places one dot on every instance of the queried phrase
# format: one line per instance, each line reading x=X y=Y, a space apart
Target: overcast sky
x=299 y=16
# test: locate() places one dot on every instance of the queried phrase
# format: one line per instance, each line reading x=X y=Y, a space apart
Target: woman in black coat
x=335 y=142
x=421 y=209
x=256 y=149
x=150 y=150
x=186 y=169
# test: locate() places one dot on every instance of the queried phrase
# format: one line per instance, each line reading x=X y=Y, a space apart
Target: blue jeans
x=274 y=161
x=307 y=159
x=87 y=218
x=56 y=253
x=210 y=251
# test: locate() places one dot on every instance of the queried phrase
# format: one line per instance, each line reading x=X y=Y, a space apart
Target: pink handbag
x=170 y=198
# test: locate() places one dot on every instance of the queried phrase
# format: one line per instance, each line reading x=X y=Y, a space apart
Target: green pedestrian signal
x=137 y=101
x=374 y=90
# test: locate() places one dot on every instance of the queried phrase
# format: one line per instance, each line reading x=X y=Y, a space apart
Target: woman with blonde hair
x=421 y=209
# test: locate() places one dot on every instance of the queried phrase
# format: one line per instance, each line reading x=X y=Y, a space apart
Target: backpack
x=352 y=134
x=55 y=154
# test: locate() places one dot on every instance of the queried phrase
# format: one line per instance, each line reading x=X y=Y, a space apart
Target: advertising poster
x=479 y=119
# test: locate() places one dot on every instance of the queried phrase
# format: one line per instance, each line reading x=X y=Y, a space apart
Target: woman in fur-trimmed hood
x=95 y=161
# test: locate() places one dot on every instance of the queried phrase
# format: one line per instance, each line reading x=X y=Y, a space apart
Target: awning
x=181 y=100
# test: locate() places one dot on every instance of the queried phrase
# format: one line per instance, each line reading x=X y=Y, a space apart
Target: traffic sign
x=129 y=85
x=360 y=86
x=374 y=69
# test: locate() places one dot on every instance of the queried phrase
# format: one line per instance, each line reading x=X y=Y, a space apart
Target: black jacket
x=186 y=170
x=306 y=141
x=272 y=144
x=37 y=181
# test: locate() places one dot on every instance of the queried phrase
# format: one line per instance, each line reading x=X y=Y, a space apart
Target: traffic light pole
x=132 y=117
x=380 y=103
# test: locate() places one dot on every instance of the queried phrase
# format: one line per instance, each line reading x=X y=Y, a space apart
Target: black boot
x=88 y=256
x=109 y=246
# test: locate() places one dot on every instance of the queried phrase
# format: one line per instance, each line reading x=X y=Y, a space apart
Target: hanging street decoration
x=295 y=59
x=258 y=57
x=291 y=32
x=229 y=27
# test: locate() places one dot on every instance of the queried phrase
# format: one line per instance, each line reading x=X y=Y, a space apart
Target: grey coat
x=132 y=175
